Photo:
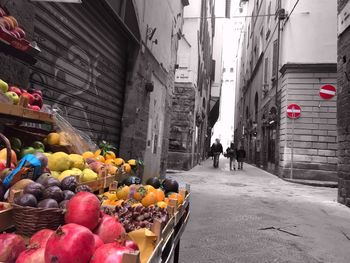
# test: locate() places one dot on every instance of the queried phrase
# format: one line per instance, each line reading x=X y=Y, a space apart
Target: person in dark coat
x=216 y=150
x=231 y=154
x=241 y=154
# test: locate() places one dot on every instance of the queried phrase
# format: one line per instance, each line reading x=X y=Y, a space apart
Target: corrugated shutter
x=82 y=66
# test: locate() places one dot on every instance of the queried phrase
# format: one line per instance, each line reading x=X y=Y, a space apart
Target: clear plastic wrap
x=76 y=140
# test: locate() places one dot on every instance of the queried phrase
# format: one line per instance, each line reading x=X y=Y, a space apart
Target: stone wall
x=182 y=127
x=315 y=132
x=343 y=103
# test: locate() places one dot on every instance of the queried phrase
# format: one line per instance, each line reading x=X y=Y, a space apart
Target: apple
x=37 y=91
x=20 y=31
x=38 y=100
x=3 y=86
x=35 y=108
x=29 y=96
x=13 y=97
x=15 y=90
x=2 y=165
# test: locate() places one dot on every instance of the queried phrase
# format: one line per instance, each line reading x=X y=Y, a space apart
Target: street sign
x=293 y=111
x=327 y=92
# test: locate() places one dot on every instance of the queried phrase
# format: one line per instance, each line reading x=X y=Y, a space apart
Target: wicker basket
x=29 y=220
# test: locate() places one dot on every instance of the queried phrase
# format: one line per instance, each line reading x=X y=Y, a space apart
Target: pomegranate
x=83 y=209
x=70 y=243
x=131 y=244
x=110 y=253
x=34 y=254
x=11 y=245
x=98 y=241
x=41 y=237
x=109 y=230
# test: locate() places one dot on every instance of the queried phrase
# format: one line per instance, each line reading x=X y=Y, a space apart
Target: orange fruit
x=149 y=188
x=119 y=161
x=127 y=167
x=110 y=155
x=132 y=162
x=180 y=198
x=159 y=195
x=110 y=161
x=123 y=192
x=140 y=193
x=162 y=204
x=88 y=155
x=149 y=199
x=100 y=158
x=113 y=170
x=3 y=155
x=53 y=138
x=97 y=152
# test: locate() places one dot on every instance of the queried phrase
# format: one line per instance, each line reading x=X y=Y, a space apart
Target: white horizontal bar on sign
x=329 y=92
x=293 y=110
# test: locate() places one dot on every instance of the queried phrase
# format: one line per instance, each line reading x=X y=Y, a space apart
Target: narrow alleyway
x=253 y=216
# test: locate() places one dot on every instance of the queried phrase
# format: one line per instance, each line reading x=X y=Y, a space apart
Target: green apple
x=13 y=97
x=38 y=145
x=4 y=87
x=27 y=150
x=15 y=143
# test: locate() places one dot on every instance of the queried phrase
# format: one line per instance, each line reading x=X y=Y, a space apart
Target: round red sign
x=327 y=92
x=293 y=111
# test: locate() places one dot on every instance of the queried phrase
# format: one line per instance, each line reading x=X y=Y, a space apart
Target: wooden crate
x=23 y=113
x=101 y=184
x=6 y=220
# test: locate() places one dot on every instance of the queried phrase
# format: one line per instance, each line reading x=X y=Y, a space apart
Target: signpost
x=327 y=92
x=293 y=112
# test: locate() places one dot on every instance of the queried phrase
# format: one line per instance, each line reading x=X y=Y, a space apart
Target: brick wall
x=182 y=122
x=315 y=133
x=343 y=124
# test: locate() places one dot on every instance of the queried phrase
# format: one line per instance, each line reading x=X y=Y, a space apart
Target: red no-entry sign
x=293 y=111
x=327 y=92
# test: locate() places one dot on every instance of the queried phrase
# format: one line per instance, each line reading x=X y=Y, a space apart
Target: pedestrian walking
x=231 y=154
x=241 y=154
x=216 y=149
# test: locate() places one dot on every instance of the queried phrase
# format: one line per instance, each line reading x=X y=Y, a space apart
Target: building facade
x=282 y=60
x=108 y=65
x=343 y=102
x=190 y=132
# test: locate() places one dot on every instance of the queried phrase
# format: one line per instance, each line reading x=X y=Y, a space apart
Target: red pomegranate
x=98 y=241
x=11 y=245
x=70 y=243
x=110 y=253
x=34 y=254
x=83 y=209
x=41 y=237
x=109 y=229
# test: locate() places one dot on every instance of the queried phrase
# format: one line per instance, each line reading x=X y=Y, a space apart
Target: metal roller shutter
x=82 y=66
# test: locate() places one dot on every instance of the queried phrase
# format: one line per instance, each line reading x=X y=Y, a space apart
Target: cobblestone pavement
x=253 y=216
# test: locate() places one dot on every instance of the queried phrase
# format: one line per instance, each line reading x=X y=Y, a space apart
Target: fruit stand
x=59 y=190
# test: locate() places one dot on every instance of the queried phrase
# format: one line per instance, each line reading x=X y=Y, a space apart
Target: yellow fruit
x=113 y=170
x=162 y=204
x=110 y=161
x=88 y=155
x=132 y=162
x=111 y=196
x=149 y=199
x=100 y=158
x=110 y=155
x=149 y=188
x=59 y=161
x=53 y=138
x=47 y=154
x=97 y=152
x=127 y=167
x=88 y=175
x=119 y=161
x=180 y=198
x=78 y=161
x=67 y=173
x=55 y=174
x=123 y=192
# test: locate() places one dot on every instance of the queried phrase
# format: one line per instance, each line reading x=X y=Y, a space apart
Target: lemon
x=53 y=138
x=59 y=161
x=77 y=161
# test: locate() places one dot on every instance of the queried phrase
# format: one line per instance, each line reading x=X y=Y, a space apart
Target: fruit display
x=14 y=94
x=10 y=24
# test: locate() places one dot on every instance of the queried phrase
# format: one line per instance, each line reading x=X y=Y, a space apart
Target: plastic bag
x=77 y=141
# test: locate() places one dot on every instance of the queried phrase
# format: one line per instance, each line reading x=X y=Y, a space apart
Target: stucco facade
x=285 y=58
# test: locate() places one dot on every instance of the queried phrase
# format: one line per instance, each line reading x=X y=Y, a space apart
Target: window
x=275 y=59
x=231 y=70
x=224 y=70
x=266 y=70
